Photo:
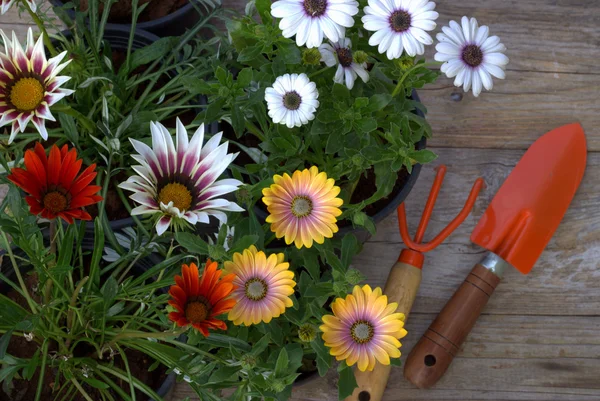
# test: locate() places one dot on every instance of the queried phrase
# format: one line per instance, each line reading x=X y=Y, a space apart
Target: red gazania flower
x=55 y=187
x=199 y=300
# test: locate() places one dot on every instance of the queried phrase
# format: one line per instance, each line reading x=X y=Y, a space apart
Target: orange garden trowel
x=515 y=228
x=405 y=277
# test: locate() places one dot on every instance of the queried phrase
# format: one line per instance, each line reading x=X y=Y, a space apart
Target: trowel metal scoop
x=515 y=228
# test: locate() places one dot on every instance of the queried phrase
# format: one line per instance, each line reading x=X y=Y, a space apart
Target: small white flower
x=292 y=100
x=28 y=336
x=341 y=52
x=228 y=237
x=470 y=55
x=310 y=20
x=400 y=25
x=5 y=5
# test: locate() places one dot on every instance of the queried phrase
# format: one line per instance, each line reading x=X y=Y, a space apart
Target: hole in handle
x=364 y=396
x=429 y=360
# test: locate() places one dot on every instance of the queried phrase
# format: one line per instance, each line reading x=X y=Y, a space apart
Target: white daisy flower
x=309 y=20
x=292 y=100
x=400 y=25
x=470 y=55
x=341 y=52
x=5 y=5
x=228 y=237
x=180 y=182
x=29 y=84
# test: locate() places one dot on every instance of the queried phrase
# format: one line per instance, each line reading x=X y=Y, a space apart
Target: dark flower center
x=55 y=202
x=301 y=206
x=400 y=21
x=196 y=311
x=292 y=100
x=344 y=56
x=472 y=55
x=26 y=94
x=176 y=193
x=315 y=8
x=255 y=289
x=362 y=332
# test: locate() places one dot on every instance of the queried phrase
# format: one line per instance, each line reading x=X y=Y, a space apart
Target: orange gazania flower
x=55 y=187
x=199 y=300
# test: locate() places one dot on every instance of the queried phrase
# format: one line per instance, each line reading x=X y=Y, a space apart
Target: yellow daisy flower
x=303 y=208
x=364 y=328
x=263 y=286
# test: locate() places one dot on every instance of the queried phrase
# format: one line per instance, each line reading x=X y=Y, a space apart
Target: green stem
x=81 y=390
x=38 y=21
x=319 y=72
x=30 y=302
x=101 y=211
x=411 y=69
x=250 y=126
x=38 y=392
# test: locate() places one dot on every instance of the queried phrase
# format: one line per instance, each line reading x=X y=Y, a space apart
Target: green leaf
x=249 y=53
x=340 y=93
x=244 y=77
x=109 y=290
x=422 y=156
x=395 y=362
x=328 y=116
x=96 y=383
x=319 y=290
x=192 y=243
x=4 y=340
x=195 y=85
x=346 y=384
x=225 y=341
x=221 y=75
x=261 y=345
x=282 y=363
x=350 y=248
x=323 y=356
x=66 y=248
x=289 y=52
x=379 y=101
x=237 y=119
x=214 y=110
x=244 y=243
x=264 y=10
x=366 y=125
x=152 y=52
x=224 y=373
x=361 y=102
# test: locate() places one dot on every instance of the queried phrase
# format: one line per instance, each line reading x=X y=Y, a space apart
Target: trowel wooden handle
x=401 y=287
x=434 y=352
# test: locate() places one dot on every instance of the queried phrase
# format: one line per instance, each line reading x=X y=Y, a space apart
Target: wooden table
x=539 y=338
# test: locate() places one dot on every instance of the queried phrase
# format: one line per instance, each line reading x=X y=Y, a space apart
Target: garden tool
x=515 y=229
x=405 y=277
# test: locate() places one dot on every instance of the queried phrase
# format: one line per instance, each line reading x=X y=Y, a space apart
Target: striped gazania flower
x=6 y=4
x=364 y=328
x=29 y=84
x=303 y=208
x=263 y=286
x=179 y=183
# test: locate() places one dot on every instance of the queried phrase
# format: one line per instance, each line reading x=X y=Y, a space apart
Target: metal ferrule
x=494 y=263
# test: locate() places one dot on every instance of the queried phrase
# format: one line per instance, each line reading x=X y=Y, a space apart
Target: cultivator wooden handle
x=401 y=287
x=434 y=352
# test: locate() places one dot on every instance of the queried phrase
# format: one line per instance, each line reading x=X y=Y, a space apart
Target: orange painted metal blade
x=529 y=206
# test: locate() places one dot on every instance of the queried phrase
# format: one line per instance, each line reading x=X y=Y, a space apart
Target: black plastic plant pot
x=393 y=202
x=164 y=387
x=174 y=24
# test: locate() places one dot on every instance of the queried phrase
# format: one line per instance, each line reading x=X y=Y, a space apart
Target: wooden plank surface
x=537 y=339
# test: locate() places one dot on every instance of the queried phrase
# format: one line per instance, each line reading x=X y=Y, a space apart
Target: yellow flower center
x=196 y=312
x=301 y=206
x=176 y=193
x=256 y=289
x=361 y=332
x=55 y=202
x=27 y=94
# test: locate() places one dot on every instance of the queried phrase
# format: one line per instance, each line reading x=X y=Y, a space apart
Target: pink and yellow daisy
x=364 y=328
x=263 y=286
x=29 y=84
x=303 y=208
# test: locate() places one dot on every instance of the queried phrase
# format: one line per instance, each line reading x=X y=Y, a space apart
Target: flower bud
x=307 y=332
x=360 y=57
x=311 y=57
x=248 y=361
x=354 y=277
x=405 y=62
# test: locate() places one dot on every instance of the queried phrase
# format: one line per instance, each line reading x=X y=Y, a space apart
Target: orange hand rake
x=405 y=277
